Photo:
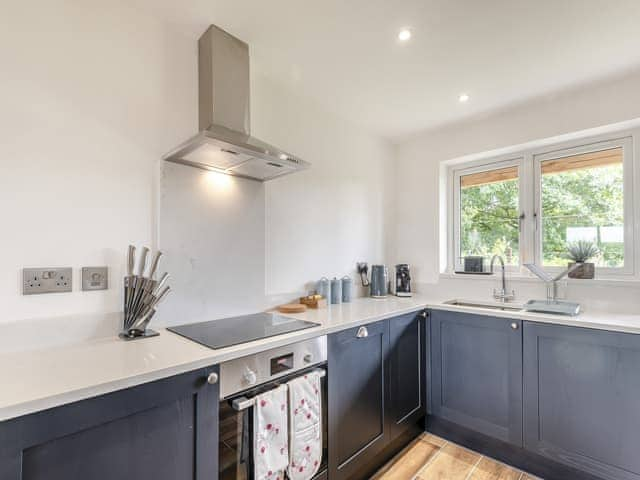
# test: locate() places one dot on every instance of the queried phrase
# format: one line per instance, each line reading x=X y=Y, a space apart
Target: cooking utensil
x=154 y=264
x=163 y=279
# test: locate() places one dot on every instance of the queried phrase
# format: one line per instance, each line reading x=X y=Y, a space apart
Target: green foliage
x=489 y=220
x=582 y=198
x=581 y=251
x=489 y=215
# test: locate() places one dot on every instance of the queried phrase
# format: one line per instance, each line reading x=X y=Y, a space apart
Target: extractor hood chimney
x=224 y=143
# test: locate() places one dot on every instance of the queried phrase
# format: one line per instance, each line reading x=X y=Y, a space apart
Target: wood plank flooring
x=433 y=458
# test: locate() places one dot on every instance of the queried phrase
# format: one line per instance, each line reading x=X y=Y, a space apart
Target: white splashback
x=212 y=233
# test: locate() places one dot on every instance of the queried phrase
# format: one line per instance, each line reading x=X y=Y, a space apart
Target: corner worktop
x=38 y=380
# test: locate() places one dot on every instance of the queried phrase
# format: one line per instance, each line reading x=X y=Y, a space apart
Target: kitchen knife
x=138 y=286
x=143 y=261
x=163 y=279
x=161 y=296
x=154 y=264
x=149 y=310
x=131 y=260
x=129 y=282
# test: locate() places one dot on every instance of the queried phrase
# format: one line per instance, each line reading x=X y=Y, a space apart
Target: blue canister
x=324 y=288
x=336 y=291
x=347 y=288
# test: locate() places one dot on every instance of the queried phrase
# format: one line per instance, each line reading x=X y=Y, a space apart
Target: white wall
x=91 y=95
x=212 y=230
x=322 y=221
x=84 y=95
x=419 y=187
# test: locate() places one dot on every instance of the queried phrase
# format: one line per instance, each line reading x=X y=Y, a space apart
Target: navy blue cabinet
x=357 y=386
x=407 y=382
x=376 y=393
x=476 y=373
x=582 y=398
x=164 y=430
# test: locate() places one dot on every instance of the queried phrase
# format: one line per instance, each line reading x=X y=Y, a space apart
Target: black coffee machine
x=402 y=282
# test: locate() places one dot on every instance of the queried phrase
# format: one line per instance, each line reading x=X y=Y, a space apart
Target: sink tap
x=550 y=282
x=501 y=294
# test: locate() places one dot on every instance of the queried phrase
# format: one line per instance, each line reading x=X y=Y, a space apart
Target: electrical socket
x=46 y=280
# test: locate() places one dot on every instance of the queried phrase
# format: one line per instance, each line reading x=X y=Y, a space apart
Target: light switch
x=95 y=278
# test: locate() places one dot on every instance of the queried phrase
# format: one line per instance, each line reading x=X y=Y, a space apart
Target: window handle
x=535 y=221
x=521 y=220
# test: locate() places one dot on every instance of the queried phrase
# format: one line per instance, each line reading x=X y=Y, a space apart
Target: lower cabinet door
x=582 y=398
x=357 y=399
x=164 y=430
x=406 y=365
x=476 y=373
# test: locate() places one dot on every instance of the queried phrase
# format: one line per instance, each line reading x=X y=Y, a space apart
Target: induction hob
x=227 y=332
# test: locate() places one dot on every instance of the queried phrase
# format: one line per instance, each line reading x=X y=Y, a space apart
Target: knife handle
x=143 y=261
x=154 y=264
x=131 y=260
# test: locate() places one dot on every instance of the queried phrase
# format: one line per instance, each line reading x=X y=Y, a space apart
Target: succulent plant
x=581 y=251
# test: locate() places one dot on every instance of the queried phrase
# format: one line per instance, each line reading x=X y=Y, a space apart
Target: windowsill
x=628 y=280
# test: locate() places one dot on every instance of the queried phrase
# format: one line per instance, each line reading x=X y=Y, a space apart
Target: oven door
x=236 y=432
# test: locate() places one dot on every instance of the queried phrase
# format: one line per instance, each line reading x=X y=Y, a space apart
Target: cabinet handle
x=362 y=332
x=212 y=379
x=424 y=314
x=514 y=326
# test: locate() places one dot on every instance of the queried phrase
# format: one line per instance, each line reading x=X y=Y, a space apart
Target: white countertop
x=38 y=380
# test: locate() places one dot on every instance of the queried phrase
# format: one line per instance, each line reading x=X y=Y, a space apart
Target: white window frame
x=476 y=167
x=529 y=175
x=626 y=144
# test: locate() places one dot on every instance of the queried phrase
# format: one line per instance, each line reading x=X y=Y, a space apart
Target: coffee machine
x=402 y=283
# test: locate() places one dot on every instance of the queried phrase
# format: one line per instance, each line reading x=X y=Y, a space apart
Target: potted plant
x=581 y=252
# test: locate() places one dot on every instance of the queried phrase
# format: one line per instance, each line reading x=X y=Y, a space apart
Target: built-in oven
x=242 y=379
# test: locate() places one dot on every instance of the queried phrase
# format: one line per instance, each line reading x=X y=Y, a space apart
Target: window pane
x=489 y=214
x=582 y=199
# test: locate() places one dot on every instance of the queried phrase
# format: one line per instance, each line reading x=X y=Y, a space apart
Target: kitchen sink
x=505 y=307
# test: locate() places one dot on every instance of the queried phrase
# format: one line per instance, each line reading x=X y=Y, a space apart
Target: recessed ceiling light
x=404 y=35
x=463 y=98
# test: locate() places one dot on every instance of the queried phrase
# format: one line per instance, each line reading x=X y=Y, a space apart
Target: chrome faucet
x=501 y=294
x=550 y=282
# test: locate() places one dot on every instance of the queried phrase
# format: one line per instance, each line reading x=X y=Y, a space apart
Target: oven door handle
x=243 y=403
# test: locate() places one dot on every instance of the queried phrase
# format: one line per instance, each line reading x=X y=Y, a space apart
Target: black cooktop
x=233 y=331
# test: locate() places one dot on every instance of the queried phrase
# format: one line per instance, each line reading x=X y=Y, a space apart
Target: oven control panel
x=246 y=372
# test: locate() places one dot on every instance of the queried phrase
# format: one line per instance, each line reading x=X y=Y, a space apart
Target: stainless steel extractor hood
x=225 y=143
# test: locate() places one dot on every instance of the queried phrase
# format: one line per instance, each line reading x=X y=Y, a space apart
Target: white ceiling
x=344 y=54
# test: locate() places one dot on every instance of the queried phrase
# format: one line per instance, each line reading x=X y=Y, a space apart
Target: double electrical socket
x=58 y=280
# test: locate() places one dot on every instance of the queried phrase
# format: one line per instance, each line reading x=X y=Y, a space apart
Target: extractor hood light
x=463 y=98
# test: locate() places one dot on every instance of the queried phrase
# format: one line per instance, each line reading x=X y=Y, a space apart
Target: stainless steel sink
x=505 y=307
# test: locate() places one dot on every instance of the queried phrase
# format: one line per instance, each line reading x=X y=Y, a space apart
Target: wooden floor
x=433 y=458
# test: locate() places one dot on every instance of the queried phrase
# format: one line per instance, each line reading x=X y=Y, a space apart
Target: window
x=489 y=211
x=582 y=198
x=531 y=208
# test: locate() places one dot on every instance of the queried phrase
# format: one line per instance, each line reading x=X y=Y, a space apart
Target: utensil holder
x=142 y=294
